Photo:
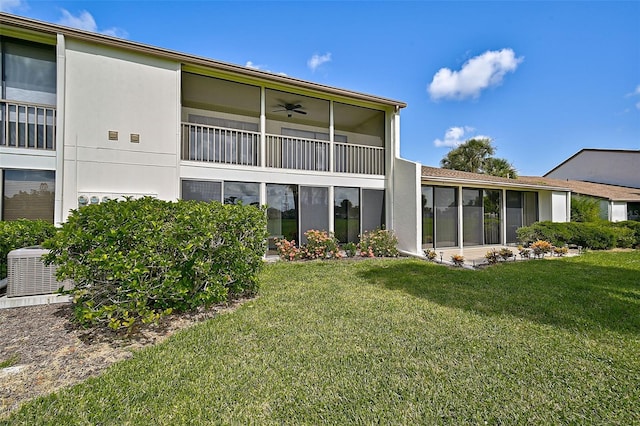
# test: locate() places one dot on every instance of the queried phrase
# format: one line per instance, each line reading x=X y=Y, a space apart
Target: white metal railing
x=349 y=158
x=24 y=125
x=286 y=152
x=220 y=145
x=242 y=147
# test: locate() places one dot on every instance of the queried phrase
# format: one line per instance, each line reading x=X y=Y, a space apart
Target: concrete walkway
x=474 y=256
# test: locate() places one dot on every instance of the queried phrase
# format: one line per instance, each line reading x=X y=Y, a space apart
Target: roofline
x=35 y=25
x=493 y=183
x=633 y=151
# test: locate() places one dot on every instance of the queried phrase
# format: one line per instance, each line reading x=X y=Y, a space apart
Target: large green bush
x=21 y=233
x=584 y=208
x=594 y=235
x=137 y=260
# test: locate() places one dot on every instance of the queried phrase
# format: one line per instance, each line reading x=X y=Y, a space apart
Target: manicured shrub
x=136 y=260
x=585 y=208
x=350 y=249
x=594 y=235
x=379 y=243
x=21 y=233
x=287 y=250
x=630 y=238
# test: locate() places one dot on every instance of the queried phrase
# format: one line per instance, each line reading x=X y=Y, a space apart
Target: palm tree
x=476 y=156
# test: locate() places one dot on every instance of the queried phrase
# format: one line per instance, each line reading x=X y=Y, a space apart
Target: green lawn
x=391 y=342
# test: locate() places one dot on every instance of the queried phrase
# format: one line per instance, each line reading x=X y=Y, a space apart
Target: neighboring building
x=617 y=203
x=462 y=209
x=610 y=166
x=86 y=117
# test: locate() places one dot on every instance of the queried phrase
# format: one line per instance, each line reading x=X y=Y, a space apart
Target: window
x=314 y=210
x=28 y=71
x=446 y=216
x=472 y=216
x=347 y=214
x=492 y=204
x=28 y=194
x=247 y=193
x=199 y=190
x=372 y=209
x=427 y=217
x=633 y=211
x=282 y=212
x=522 y=210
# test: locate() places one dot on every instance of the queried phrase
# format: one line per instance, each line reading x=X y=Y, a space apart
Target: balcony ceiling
x=227 y=96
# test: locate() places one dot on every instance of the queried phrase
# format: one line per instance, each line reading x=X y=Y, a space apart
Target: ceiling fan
x=289 y=108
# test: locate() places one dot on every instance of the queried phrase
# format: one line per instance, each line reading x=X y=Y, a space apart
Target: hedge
x=136 y=260
x=21 y=233
x=594 y=235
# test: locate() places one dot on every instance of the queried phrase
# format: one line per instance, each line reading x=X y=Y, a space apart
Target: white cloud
x=11 y=5
x=85 y=21
x=316 y=60
x=476 y=74
x=250 y=64
x=638 y=105
x=454 y=136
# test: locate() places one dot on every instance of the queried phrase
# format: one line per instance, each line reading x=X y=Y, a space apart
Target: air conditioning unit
x=28 y=275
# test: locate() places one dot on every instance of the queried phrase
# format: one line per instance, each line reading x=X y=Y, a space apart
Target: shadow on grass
x=563 y=293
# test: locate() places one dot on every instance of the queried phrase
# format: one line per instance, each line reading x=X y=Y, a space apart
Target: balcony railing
x=368 y=160
x=220 y=145
x=285 y=152
x=231 y=146
x=29 y=126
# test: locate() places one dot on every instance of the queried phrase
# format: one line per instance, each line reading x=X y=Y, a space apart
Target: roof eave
x=35 y=25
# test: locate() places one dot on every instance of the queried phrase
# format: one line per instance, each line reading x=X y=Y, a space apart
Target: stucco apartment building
x=86 y=117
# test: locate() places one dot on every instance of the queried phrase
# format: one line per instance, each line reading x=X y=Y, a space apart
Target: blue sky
x=542 y=79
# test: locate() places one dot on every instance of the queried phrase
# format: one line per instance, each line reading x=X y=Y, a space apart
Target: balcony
x=29 y=126
x=241 y=147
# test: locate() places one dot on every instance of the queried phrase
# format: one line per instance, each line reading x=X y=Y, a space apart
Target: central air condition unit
x=28 y=275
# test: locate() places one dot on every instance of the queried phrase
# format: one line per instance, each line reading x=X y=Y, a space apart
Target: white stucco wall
x=560 y=206
x=612 y=167
x=406 y=205
x=112 y=90
x=545 y=211
x=618 y=211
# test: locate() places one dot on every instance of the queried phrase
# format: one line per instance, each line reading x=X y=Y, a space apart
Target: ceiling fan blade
x=299 y=112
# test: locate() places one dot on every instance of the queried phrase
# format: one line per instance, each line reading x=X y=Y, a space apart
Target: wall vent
x=28 y=275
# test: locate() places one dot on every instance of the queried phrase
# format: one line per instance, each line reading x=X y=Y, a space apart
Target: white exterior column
x=503 y=221
x=263 y=127
x=460 y=220
x=332 y=147
x=58 y=214
x=331 y=211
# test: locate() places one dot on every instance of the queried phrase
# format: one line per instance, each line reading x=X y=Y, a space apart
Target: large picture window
x=28 y=194
x=372 y=209
x=247 y=193
x=200 y=190
x=314 y=210
x=446 y=220
x=28 y=71
x=282 y=212
x=347 y=214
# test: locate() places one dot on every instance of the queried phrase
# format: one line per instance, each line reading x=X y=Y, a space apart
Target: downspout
x=60 y=120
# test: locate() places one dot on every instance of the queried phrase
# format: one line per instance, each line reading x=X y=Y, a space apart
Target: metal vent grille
x=28 y=276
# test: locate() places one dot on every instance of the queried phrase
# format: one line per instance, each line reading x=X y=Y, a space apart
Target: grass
x=9 y=362
x=391 y=342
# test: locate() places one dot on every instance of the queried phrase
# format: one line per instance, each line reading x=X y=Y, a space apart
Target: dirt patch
x=48 y=352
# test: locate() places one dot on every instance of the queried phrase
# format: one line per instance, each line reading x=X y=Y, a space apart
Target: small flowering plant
x=321 y=245
x=524 y=253
x=457 y=259
x=506 y=253
x=560 y=251
x=350 y=249
x=541 y=247
x=430 y=254
x=287 y=250
x=492 y=257
x=379 y=243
